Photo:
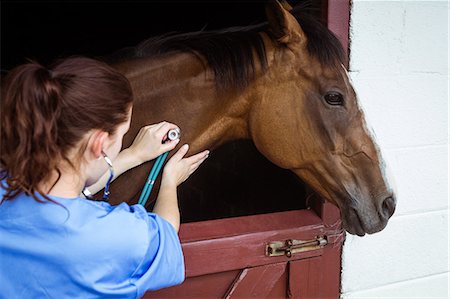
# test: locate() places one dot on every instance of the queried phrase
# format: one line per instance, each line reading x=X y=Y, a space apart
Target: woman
x=59 y=126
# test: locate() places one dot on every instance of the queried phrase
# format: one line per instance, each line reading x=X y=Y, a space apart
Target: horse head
x=282 y=84
x=307 y=119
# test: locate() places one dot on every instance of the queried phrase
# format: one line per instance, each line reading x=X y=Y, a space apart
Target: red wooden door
x=227 y=258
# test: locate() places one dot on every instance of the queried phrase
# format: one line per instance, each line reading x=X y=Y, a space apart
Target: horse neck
x=227 y=113
x=179 y=89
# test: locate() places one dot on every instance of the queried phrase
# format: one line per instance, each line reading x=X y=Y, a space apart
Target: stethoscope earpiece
x=106 y=193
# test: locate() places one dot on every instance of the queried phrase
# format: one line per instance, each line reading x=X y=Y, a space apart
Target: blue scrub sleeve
x=163 y=264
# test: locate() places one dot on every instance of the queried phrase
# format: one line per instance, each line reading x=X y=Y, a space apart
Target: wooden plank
x=279 y=289
x=317 y=277
x=327 y=212
x=210 y=255
x=305 y=278
x=331 y=216
x=203 y=230
x=238 y=252
x=256 y=282
x=338 y=21
x=331 y=271
x=205 y=286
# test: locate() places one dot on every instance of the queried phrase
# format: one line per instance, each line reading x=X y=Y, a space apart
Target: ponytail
x=31 y=96
x=44 y=114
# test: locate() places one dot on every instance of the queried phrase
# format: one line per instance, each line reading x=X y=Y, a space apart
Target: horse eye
x=334 y=98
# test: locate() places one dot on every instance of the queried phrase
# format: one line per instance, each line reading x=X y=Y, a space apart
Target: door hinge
x=290 y=247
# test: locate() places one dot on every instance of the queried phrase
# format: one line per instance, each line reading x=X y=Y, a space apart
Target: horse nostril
x=388 y=207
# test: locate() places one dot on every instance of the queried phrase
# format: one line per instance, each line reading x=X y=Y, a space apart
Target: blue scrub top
x=85 y=249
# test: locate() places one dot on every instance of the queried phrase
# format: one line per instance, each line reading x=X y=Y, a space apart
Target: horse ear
x=282 y=24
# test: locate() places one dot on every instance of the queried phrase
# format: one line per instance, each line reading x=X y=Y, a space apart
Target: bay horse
x=281 y=84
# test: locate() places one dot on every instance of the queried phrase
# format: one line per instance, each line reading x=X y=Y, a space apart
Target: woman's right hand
x=178 y=168
x=148 y=143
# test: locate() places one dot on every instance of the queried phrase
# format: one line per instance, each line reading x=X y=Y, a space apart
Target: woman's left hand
x=148 y=143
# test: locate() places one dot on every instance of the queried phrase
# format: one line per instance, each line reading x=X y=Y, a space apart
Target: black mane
x=229 y=52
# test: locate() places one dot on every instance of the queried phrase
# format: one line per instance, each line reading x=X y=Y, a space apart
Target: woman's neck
x=68 y=185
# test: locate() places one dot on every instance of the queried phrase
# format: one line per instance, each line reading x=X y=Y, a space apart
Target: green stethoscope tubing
x=152 y=178
x=145 y=194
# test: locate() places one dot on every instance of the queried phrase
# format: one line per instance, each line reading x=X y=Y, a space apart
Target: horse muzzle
x=361 y=220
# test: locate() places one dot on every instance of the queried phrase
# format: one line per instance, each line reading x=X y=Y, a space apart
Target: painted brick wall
x=399 y=66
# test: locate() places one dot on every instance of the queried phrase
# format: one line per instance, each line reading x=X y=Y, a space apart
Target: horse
x=283 y=85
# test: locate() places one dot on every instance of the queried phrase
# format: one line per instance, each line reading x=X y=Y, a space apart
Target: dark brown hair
x=45 y=112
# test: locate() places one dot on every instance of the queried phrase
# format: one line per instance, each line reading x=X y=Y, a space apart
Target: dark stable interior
x=236 y=180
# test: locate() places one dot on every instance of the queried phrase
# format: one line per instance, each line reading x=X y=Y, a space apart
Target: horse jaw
x=365 y=207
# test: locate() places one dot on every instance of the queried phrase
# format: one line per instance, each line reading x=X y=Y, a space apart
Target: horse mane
x=229 y=52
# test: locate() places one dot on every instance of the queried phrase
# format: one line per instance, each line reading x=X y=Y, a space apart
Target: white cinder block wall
x=399 y=67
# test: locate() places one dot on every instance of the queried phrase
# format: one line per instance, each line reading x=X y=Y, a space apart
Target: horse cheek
x=268 y=131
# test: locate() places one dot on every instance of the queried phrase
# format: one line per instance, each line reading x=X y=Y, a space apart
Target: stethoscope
x=173 y=134
x=106 y=193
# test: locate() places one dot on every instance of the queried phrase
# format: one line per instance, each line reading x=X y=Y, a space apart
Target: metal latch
x=289 y=247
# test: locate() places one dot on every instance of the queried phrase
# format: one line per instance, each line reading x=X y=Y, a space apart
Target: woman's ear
x=96 y=143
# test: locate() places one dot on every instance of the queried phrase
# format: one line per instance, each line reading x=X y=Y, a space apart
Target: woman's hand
x=148 y=143
x=178 y=169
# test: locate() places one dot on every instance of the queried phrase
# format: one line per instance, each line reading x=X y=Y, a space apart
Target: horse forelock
x=230 y=52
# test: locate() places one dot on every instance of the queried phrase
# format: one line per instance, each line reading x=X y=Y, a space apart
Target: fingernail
x=186 y=145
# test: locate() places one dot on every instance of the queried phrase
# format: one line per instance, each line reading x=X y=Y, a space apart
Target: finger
x=197 y=164
x=181 y=152
x=157 y=126
x=169 y=145
x=166 y=127
x=151 y=126
x=142 y=131
x=146 y=131
x=197 y=157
